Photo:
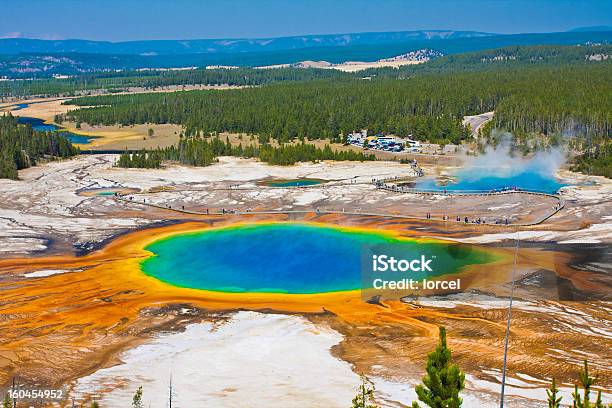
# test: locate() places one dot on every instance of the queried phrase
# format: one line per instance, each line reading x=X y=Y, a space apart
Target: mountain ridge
x=195 y=46
x=590 y=29
x=38 y=65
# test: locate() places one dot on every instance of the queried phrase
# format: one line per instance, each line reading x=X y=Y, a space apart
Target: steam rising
x=500 y=162
x=499 y=169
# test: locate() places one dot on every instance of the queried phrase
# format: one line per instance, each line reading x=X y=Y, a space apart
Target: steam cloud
x=499 y=161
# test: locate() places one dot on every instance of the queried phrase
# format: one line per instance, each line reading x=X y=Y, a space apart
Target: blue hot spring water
x=532 y=177
x=286 y=258
x=295 y=182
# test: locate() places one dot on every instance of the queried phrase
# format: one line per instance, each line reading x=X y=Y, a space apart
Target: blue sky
x=120 y=20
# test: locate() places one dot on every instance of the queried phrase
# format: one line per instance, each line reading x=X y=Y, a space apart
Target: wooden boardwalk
x=561 y=204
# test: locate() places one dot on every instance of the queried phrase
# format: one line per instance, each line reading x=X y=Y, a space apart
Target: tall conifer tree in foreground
x=553 y=400
x=443 y=381
x=584 y=401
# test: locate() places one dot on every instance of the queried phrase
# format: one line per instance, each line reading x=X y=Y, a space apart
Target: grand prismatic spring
x=287 y=258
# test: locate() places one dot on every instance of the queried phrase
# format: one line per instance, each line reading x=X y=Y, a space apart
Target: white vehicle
x=413 y=143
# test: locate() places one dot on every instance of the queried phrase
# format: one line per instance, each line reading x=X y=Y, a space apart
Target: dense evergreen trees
x=492 y=59
x=315 y=110
x=571 y=101
x=21 y=147
x=511 y=57
x=546 y=100
x=141 y=160
x=198 y=151
x=155 y=78
x=290 y=154
x=551 y=91
x=596 y=157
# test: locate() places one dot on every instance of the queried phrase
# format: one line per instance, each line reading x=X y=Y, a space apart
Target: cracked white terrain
x=47 y=207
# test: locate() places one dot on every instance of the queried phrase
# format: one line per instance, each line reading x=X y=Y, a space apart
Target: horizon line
x=491 y=34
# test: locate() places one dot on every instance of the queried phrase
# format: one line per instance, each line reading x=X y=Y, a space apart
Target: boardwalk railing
x=382 y=184
x=129 y=199
x=400 y=189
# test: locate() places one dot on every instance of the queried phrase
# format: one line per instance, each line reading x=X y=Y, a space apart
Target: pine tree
x=137 y=400
x=553 y=401
x=599 y=402
x=95 y=404
x=586 y=381
x=365 y=394
x=443 y=381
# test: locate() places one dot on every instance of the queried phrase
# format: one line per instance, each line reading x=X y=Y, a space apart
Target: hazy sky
x=119 y=20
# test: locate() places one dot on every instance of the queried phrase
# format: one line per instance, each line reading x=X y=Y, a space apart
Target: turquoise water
x=105 y=191
x=487 y=179
x=286 y=258
x=39 y=125
x=294 y=183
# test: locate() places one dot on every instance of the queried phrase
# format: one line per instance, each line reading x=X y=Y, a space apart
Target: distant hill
x=173 y=47
x=513 y=57
x=591 y=29
x=357 y=47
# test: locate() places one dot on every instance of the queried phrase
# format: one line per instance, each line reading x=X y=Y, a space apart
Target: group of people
x=483 y=220
x=466 y=220
x=230 y=211
x=415 y=167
